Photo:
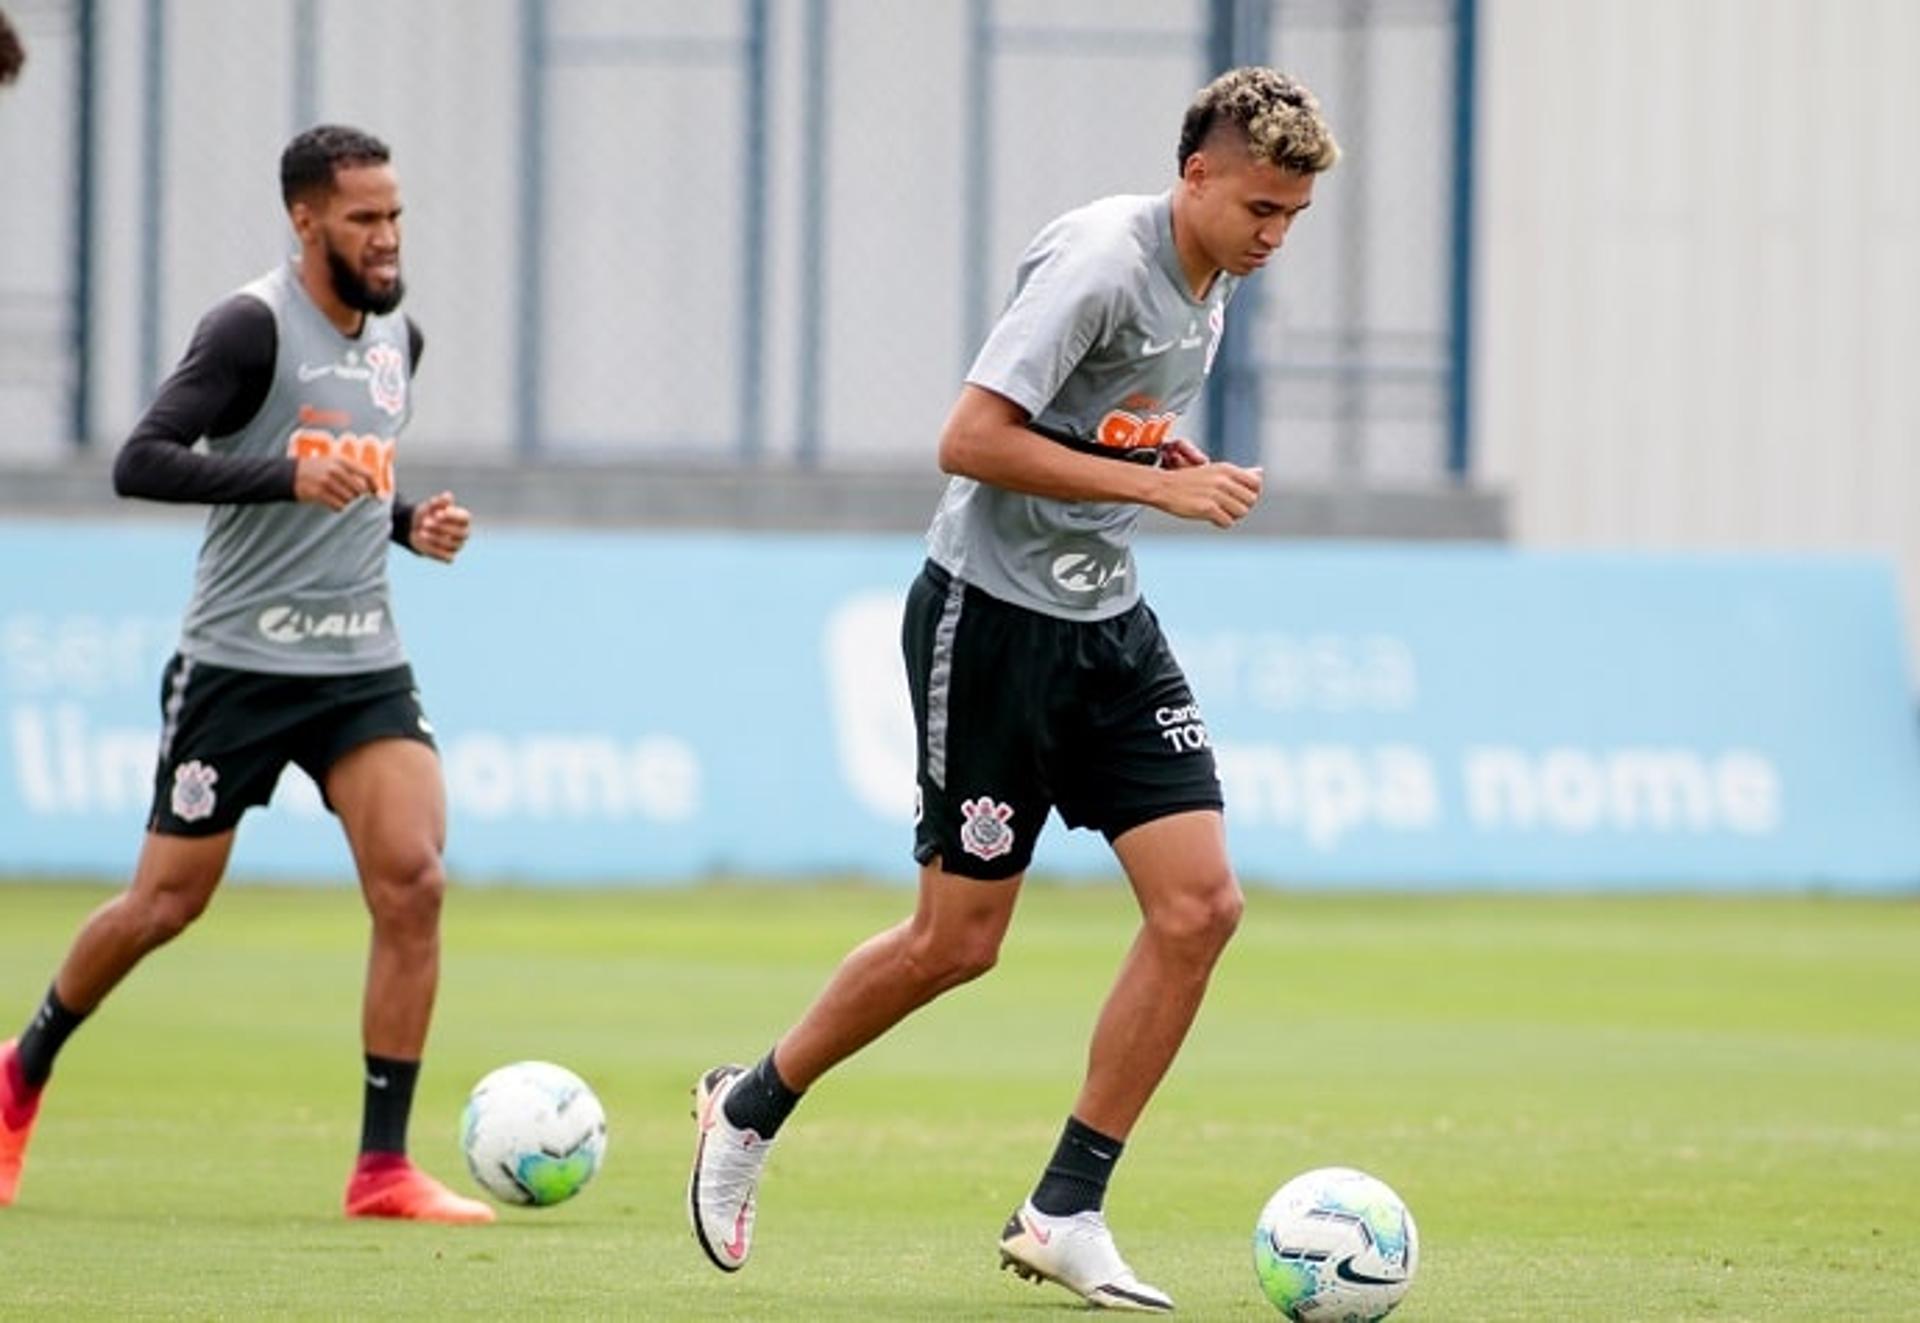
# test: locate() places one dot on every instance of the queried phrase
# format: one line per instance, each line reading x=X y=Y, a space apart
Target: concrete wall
x=1699 y=298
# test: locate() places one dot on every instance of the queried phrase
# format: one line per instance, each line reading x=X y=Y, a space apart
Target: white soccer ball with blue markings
x=533 y=1133
x=1335 y=1245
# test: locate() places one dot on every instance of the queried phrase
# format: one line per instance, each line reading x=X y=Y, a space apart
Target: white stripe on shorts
x=940 y=682
x=176 y=699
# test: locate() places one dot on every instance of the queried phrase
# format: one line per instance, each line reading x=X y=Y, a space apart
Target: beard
x=355 y=292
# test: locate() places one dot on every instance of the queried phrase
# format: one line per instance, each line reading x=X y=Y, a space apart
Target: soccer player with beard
x=299 y=385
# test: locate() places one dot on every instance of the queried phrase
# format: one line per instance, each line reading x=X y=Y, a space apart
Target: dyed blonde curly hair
x=1277 y=117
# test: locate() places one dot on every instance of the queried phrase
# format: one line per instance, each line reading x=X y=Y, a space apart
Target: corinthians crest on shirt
x=386 y=381
x=984 y=832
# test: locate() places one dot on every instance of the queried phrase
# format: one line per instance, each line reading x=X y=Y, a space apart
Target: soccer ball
x=1335 y=1246
x=533 y=1133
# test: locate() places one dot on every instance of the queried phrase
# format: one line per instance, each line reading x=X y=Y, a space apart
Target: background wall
x=1699 y=280
x=1696 y=242
x=618 y=253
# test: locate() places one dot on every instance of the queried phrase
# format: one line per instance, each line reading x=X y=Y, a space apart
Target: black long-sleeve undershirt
x=218 y=387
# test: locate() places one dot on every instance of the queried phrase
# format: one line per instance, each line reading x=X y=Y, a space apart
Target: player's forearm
x=156 y=469
x=1021 y=460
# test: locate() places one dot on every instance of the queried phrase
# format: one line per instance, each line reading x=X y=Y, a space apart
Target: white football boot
x=1077 y=1252
x=726 y=1172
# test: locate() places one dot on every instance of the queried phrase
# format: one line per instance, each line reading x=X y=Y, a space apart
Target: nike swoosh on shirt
x=1148 y=349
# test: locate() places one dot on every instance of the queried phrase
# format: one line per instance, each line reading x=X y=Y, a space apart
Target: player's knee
x=974 y=958
x=1201 y=920
x=166 y=912
x=938 y=961
x=407 y=893
x=1228 y=909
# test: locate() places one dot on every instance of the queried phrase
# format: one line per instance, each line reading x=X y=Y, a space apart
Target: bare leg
x=172 y=883
x=954 y=936
x=1191 y=905
x=390 y=800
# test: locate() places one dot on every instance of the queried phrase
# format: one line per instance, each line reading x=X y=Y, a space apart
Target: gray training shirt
x=293 y=588
x=1104 y=346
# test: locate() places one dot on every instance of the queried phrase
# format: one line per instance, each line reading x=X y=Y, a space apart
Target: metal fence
x=745 y=232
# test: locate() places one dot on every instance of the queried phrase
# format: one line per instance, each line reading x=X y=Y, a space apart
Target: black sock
x=41 y=1040
x=383 y=1123
x=761 y=1101
x=1076 y=1179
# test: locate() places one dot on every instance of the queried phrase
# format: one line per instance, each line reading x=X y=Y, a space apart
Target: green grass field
x=1646 y=1108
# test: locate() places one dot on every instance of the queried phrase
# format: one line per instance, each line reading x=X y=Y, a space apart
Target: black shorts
x=228 y=734
x=1017 y=712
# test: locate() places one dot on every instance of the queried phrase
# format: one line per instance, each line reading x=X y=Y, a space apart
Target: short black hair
x=309 y=161
x=13 y=53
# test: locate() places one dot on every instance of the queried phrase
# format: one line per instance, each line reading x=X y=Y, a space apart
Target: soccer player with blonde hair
x=1040 y=679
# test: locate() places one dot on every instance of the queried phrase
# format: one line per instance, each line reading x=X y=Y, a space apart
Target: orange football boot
x=18 y=1106
x=389 y=1185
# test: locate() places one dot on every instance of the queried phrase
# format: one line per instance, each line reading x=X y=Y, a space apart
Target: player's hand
x=440 y=527
x=1181 y=453
x=1219 y=493
x=331 y=481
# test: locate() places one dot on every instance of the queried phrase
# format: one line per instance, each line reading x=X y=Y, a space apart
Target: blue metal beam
x=1235 y=36
x=85 y=213
x=978 y=184
x=813 y=227
x=306 y=64
x=753 y=273
x=529 y=324
x=1460 y=289
x=153 y=145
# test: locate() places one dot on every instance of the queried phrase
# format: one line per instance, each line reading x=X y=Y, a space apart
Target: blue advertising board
x=617 y=707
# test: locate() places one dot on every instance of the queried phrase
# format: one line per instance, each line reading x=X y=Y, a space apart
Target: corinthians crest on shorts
x=193 y=797
x=984 y=832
